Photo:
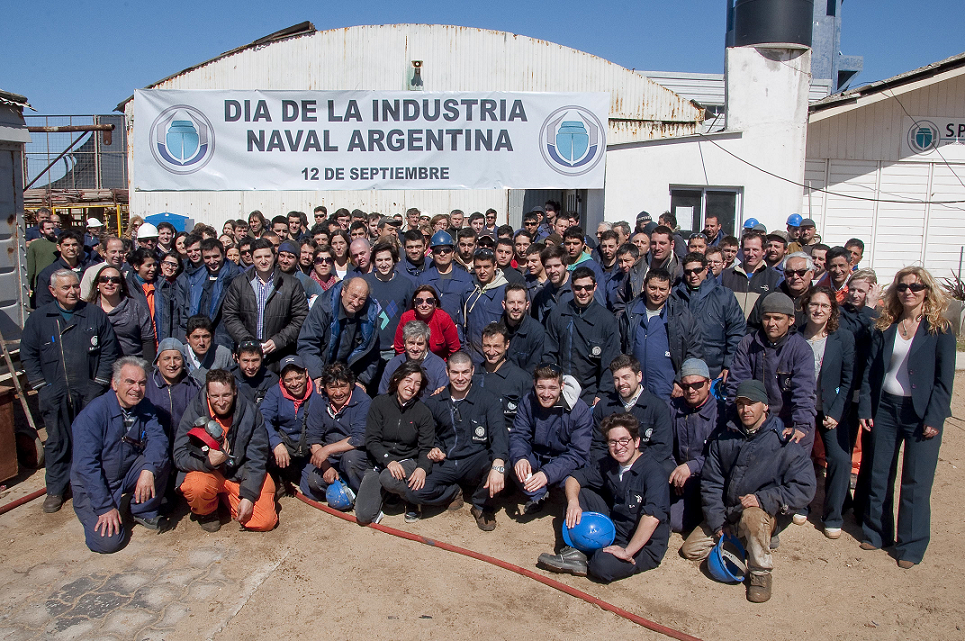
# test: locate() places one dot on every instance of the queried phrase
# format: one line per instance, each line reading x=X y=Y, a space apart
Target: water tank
x=773 y=21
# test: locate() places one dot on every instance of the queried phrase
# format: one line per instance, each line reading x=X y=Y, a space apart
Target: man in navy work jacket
x=633 y=492
x=472 y=446
x=752 y=476
x=119 y=447
x=68 y=349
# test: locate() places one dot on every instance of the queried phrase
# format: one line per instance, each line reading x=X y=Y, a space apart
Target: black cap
x=753 y=390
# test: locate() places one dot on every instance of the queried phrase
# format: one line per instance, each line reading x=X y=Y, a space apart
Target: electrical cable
x=562 y=587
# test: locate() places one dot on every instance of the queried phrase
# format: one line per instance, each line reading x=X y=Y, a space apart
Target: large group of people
x=698 y=385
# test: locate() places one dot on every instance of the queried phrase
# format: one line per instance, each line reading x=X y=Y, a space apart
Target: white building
x=13 y=266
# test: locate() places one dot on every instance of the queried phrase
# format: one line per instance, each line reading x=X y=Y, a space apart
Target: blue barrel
x=181 y=223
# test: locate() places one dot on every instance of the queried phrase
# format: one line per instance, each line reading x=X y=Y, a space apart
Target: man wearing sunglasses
x=798 y=275
x=715 y=308
x=450 y=283
x=582 y=336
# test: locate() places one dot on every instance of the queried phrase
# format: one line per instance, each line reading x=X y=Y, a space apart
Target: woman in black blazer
x=905 y=399
x=833 y=366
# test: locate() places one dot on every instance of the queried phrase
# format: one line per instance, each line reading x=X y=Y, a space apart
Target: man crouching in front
x=222 y=451
x=752 y=477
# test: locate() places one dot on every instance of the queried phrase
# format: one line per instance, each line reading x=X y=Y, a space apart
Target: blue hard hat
x=750 y=223
x=595 y=531
x=340 y=496
x=794 y=220
x=441 y=238
x=727 y=561
x=717 y=389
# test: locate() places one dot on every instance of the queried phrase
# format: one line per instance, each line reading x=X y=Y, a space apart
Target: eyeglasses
x=691 y=272
x=692 y=386
x=583 y=288
x=619 y=442
x=425 y=301
x=445 y=249
x=915 y=287
x=819 y=306
x=116 y=280
x=698 y=236
x=174 y=265
x=530 y=223
x=484 y=253
x=324 y=261
x=800 y=273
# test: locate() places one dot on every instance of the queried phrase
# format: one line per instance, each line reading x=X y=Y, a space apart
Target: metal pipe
x=70 y=128
x=55 y=161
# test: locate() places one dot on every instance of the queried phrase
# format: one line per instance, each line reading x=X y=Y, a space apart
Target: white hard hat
x=147 y=230
x=93 y=222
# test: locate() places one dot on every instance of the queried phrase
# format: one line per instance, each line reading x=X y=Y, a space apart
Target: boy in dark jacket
x=751 y=476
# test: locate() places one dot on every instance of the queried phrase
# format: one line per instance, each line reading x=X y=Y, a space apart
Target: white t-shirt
x=897 y=381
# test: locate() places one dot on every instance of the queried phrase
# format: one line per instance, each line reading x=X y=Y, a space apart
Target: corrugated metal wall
x=378 y=57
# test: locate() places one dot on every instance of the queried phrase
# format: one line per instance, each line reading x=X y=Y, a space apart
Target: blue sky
x=84 y=57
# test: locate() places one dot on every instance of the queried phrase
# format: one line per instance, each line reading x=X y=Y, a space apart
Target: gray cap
x=777 y=303
x=694 y=367
x=167 y=344
x=760 y=227
x=291 y=361
x=777 y=233
x=753 y=391
x=807 y=222
x=644 y=217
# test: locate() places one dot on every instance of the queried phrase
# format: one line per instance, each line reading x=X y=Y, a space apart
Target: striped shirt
x=262 y=291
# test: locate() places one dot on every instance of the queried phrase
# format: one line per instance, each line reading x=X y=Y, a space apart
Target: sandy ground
x=318 y=575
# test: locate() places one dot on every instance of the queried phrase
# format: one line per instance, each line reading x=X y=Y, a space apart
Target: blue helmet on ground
x=750 y=223
x=595 y=531
x=726 y=562
x=441 y=238
x=340 y=496
x=794 y=220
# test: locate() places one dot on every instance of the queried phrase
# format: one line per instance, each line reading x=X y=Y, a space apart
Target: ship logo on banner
x=923 y=136
x=572 y=140
x=182 y=139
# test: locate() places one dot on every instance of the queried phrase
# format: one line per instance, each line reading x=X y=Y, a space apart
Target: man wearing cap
x=632 y=492
x=775 y=248
x=231 y=467
x=286 y=409
x=643 y=219
x=483 y=304
x=782 y=360
x=629 y=395
x=751 y=478
x=695 y=415
x=288 y=253
x=806 y=238
x=119 y=448
x=798 y=274
x=67 y=349
x=92 y=237
x=147 y=235
x=451 y=284
x=169 y=387
x=715 y=309
x=204 y=292
x=583 y=337
x=752 y=277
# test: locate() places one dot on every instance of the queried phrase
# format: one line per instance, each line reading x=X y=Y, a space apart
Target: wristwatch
x=499 y=468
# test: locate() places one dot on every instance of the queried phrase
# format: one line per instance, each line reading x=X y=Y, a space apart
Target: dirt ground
x=321 y=576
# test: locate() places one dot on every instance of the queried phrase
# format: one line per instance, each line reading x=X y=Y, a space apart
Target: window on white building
x=691 y=205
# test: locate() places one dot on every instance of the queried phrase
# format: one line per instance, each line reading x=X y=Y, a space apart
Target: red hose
x=23 y=499
x=562 y=587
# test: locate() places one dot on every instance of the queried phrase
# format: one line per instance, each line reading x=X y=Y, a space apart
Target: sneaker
x=854 y=482
x=457 y=503
x=485 y=519
x=569 y=560
x=832 y=532
x=534 y=506
x=378 y=517
x=209 y=522
x=799 y=519
x=412 y=513
x=53 y=503
x=153 y=523
x=759 y=587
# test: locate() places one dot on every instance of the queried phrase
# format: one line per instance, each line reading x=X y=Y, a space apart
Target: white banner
x=935 y=139
x=333 y=140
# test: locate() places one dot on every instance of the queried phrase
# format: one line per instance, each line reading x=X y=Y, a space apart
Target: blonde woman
x=132 y=226
x=905 y=399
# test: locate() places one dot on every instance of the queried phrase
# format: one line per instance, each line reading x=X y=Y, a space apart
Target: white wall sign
x=334 y=140
x=936 y=139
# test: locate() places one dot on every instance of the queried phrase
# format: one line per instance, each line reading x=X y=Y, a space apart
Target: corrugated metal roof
x=852 y=95
x=378 y=57
x=707 y=89
x=14 y=100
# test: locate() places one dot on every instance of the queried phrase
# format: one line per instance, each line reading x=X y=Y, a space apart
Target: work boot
x=485 y=519
x=534 y=506
x=53 y=503
x=456 y=503
x=569 y=560
x=153 y=523
x=209 y=522
x=759 y=587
